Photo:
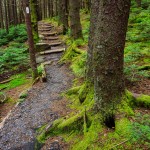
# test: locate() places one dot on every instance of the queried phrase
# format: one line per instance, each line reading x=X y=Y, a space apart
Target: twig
x=120 y=143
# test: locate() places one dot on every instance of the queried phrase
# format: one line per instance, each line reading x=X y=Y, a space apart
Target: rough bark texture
x=75 y=24
x=30 y=41
x=34 y=19
x=94 y=15
x=108 y=54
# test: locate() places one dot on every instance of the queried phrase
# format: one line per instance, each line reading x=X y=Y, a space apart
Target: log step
x=52 y=51
x=55 y=44
x=48 y=29
x=50 y=38
x=49 y=33
x=45 y=26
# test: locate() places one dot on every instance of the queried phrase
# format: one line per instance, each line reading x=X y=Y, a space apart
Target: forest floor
x=46 y=101
x=43 y=104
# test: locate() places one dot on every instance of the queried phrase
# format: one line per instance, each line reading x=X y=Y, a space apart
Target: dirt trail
x=18 y=131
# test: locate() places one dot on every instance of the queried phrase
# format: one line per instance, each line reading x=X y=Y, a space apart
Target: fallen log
x=6 y=81
x=52 y=51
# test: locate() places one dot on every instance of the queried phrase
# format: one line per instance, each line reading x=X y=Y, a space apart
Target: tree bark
x=75 y=24
x=6 y=17
x=1 y=16
x=30 y=39
x=108 y=54
x=34 y=19
x=63 y=14
x=93 y=21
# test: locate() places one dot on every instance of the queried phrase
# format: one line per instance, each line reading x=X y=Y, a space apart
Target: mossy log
x=142 y=100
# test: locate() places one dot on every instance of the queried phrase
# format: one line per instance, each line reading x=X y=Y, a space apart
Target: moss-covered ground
x=14 y=65
x=83 y=128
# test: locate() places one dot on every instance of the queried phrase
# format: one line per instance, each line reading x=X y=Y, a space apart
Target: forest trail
x=19 y=129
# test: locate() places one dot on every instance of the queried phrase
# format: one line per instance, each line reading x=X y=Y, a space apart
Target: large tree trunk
x=75 y=24
x=34 y=19
x=108 y=53
x=30 y=39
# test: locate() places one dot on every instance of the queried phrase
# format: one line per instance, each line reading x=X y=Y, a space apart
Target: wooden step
x=49 y=33
x=52 y=51
x=45 y=26
x=48 y=29
x=54 y=44
x=50 y=38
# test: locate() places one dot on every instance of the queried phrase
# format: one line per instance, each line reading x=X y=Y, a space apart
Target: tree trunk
x=30 y=39
x=138 y=3
x=6 y=17
x=63 y=14
x=108 y=54
x=1 y=15
x=94 y=15
x=34 y=19
x=16 y=14
x=75 y=24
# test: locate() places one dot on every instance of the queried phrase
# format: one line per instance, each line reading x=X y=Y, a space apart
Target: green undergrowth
x=16 y=33
x=16 y=81
x=137 y=51
x=13 y=57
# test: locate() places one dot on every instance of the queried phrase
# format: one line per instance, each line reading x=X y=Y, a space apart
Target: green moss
x=74 y=90
x=143 y=101
x=70 y=53
x=127 y=104
x=18 y=80
x=79 y=64
x=90 y=136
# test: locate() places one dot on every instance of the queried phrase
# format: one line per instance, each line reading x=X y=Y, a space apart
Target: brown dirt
x=13 y=94
x=139 y=87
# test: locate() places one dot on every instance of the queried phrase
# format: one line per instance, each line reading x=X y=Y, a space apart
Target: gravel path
x=18 y=132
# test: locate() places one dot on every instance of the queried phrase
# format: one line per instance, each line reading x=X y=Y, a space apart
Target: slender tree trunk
x=108 y=54
x=138 y=3
x=1 y=16
x=34 y=19
x=15 y=11
x=30 y=39
x=75 y=24
x=39 y=10
x=6 y=17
